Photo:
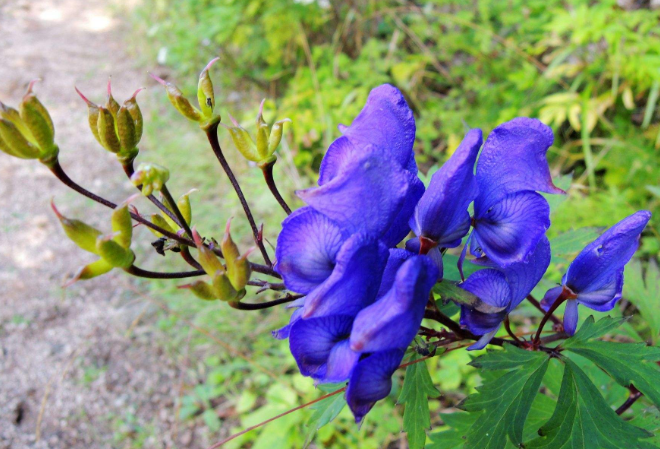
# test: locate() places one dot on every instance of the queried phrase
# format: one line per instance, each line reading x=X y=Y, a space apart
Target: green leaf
x=417 y=389
x=506 y=400
x=591 y=329
x=564 y=183
x=325 y=411
x=643 y=292
x=583 y=420
x=451 y=273
x=571 y=242
x=450 y=291
x=626 y=363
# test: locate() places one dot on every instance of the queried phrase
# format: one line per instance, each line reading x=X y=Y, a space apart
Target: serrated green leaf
x=505 y=401
x=460 y=423
x=583 y=420
x=648 y=420
x=627 y=363
x=325 y=411
x=643 y=292
x=417 y=389
x=591 y=329
x=450 y=291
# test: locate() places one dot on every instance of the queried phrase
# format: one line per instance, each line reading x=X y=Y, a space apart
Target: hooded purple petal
x=514 y=160
x=600 y=260
x=400 y=226
x=320 y=349
x=491 y=286
x=371 y=381
x=442 y=213
x=393 y=321
x=365 y=197
x=523 y=276
x=385 y=122
x=604 y=298
x=354 y=281
x=508 y=231
x=397 y=257
x=306 y=249
x=571 y=316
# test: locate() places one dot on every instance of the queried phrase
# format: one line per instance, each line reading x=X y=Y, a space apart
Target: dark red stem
x=270 y=181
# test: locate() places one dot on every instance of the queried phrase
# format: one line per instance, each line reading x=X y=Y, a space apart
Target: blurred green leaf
x=417 y=389
x=644 y=292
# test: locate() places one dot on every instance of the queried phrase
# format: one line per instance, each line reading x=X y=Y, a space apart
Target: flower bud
x=150 y=178
x=122 y=224
x=127 y=136
x=184 y=206
x=276 y=135
x=111 y=104
x=180 y=102
x=132 y=106
x=113 y=253
x=106 y=130
x=80 y=233
x=13 y=116
x=205 y=95
x=14 y=142
x=242 y=141
x=90 y=271
x=207 y=258
x=38 y=121
x=201 y=289
x=223 y=288
x=240 y=274
x=92 y=116
x=159 y=221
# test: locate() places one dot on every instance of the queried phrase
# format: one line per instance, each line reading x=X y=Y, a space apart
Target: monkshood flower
x=595 y=278
x=441 y=218
x=338 y=271
x=368 y=178
x=503 y=288
x=510 y=218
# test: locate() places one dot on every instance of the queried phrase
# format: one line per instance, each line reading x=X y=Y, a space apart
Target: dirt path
x=103 y=385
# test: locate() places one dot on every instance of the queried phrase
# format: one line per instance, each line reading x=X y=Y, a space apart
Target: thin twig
x=212 y=135
x=175 y=208
x=563 y=296
x=264 y=305
x=139 y=272
x=270 y=181
x=507 y=326
x=538 y=305
x=634 y=395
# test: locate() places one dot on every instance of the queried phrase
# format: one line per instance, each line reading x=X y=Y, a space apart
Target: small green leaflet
x=449 y=290
x=417 y=389
x=506 y=400
x=644 y=293
x=583 y=420
x=324 y=411
x=627 y=363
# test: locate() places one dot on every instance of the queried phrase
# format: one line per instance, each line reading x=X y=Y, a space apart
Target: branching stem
x=270 y=181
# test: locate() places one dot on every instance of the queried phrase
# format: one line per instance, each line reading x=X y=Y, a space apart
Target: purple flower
x=510 y=218
x=502 y=288
x=595 y=278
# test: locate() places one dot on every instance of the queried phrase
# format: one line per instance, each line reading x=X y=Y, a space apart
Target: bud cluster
x=150 y=177
x=28 y=132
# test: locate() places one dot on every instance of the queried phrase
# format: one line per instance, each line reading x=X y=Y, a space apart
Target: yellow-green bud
x=92 y=116
x=132 y=106
x=107 y=132
x=201 y=289
x=161 y=222
x=207 y=258
x=223 y=288
x=240 y=274
x=276 y=135
x=14 y=142
x=38 y=121
x=150 y=177
x=122 y=224
x=90 y=271
x=184 y=206
x=126 y=130
x=111 y=104
x=80 y=233
x=113 y=253
x=242 y=141
x=180 y=102
x=205 y=95
x=13 y=116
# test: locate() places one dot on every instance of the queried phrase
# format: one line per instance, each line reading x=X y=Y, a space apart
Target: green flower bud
x=205 y=95
x=12 y=115
x=229 y=248
x=184 y=206
x=126 y=130
x=92 y=116
x=180 y=102
x=207 y=258
x=90 y=271
x=111 y=104
x=241 y=272
x=150 y=178
x=113 y=253
x=223 y=288
x=38 y=121
x=242 y=141
x=276 y=135
x=80 y=233
x=133 y=109
x=107 y=132
x=122 y=224
x=202 y=290
x=158 y=220
x=14 y=142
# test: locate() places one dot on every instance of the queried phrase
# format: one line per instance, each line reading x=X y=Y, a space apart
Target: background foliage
x=589 y=69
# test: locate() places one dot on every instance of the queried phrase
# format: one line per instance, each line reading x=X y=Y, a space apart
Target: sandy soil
x=86 y=355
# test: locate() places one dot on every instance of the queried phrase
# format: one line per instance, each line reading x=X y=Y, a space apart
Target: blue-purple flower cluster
x=365 y=295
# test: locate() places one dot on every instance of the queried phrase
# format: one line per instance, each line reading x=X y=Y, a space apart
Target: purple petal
x=413 y=245
x=341 y=361
x=523 y=276
x=550 y=297
x=603 y=299
x=283 y=332
x=312 y=342
x=442 y=213
x=354 y=281
x=509 y=231
x=480 y=323
x=385 y=122
x=600 y=260
x=483 y=341
x=571 y=316
x=306 y=249
x=371 y=381
x=490 y=286
x=400 y=227
x=393 y=321
x=397 y=257
x=366 y=197
x=513 y=160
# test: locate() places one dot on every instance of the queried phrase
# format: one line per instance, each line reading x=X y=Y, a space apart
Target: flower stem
x=507 y=326
x=212 y=135
x=270 y=181
x=563 y=296
x=634 y=395
x=264 y=305
x=537 y=304
x=139 y=272
x=175 y=208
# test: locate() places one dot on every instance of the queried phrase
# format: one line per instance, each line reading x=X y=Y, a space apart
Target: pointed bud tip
x=57 y=212
x=89 y=103
x=261 y=107
x=137 y=92
x=208 y=66
x=31 y=85
x=233 y=120
x=158 y=79
x=196 y=237
x=228 y=225
x=110 y=86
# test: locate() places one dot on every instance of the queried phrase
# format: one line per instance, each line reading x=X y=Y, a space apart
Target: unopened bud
x=205 y=95
x=92 y=116
x=107 y=133
x=229 y=248
x=14 y=142
x=150 y=177
x=122 y=224
x=90 y=271
x=159 y=221
x=132 y=106
x=113 y=253
x=276 y=135
x=180 y=102
x=240 y=274
x=184 y=206
x=126 y=130
x=111 y=104
x=207 y=258
x=242 y=141
x=80 y=233
x=38 y=121
x=223 y=288
x=12 y=115
x=201 y=289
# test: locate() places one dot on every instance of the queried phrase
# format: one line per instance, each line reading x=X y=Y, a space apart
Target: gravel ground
x=88 y=356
